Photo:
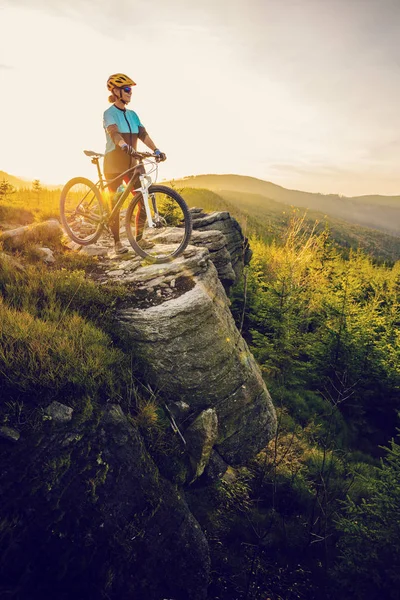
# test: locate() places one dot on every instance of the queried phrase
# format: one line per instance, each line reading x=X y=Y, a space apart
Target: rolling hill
x=376 y=212
x=268 y=219
x=21 y=183
x=15 y=181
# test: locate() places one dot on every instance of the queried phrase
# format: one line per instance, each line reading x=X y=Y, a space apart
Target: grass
x=61 y=357
x=58 y=341
x=42 y=359
x=26 y=206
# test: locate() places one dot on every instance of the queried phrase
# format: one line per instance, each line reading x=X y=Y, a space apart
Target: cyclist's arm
x=146 y=139
x=118 y=140
x=115 y=135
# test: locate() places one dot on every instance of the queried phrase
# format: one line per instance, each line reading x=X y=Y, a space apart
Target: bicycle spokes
x=83 y=211
x=171 y=224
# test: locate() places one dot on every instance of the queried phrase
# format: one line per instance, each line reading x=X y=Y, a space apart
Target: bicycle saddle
x=90 y=153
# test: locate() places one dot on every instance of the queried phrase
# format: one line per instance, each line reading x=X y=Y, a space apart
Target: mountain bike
x=85 y=211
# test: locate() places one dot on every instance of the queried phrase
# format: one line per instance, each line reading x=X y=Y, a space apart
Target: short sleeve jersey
x=130 y=128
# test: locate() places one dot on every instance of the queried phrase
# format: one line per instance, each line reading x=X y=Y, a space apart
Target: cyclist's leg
x=114 y=224
x=141 y=212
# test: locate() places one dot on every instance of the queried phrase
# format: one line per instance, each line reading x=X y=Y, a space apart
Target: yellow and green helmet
x=118 y=80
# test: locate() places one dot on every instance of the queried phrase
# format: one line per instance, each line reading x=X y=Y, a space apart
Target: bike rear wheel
x=172 y=225
x=82 y=211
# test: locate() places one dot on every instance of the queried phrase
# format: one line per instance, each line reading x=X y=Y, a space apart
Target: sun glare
x=216 y=107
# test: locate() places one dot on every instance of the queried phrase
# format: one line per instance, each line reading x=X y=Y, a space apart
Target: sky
x=303 y=93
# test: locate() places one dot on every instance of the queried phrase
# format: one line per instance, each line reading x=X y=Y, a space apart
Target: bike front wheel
x=172 y=225
x=82 y=211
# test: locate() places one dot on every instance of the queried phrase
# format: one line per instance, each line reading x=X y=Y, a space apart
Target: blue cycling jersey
x=130 y=128
x=127 y=122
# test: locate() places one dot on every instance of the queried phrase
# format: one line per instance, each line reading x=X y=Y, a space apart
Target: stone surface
x=193 y=351
x=200 y=438
x=179 y=321
x=95 y=497
x=180 y=410
x=9 y=433
x=221 y=234
x=60 y=413
x=12 y=262
x=230 y=475
x=216 y=467
x=236 y=243
x=95 y=250
x=47 y=255
x=68 y=243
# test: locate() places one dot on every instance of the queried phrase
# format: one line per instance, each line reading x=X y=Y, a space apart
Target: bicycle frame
x=145 y=183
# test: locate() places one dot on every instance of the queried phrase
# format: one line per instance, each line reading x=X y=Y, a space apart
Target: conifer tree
x=370 y=544
x=6 y=189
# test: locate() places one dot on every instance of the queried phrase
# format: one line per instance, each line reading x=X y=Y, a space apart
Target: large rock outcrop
x=179 y=321
x=17 y=238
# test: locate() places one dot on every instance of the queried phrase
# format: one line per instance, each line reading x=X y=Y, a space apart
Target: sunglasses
x=126 y=89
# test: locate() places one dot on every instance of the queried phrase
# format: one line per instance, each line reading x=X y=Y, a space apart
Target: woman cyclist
x=123 y=129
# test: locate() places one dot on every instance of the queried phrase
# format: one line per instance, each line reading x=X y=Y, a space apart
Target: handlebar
x=146 y=155
x=96 y=155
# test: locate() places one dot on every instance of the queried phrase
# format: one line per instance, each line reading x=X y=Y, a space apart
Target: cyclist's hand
x=160 y=156
x=128 y=150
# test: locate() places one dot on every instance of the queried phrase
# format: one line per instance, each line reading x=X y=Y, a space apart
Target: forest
x=317 y=514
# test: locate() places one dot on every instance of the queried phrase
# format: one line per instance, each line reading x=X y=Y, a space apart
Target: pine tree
x=37 y=188
x=6 y=189
x=369 y=549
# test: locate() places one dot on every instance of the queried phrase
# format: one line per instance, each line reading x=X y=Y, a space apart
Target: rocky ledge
x=237 y=245
x=220 y=233
x=179 y=321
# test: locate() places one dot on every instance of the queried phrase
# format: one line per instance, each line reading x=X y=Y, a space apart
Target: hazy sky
x=304 y=93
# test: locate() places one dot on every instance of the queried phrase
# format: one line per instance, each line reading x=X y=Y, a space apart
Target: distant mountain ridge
x=269 y=219
x=15 y=181
x=373 y=211
x=21 y=183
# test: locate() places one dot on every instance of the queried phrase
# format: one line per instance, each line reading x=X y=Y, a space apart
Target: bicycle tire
x=97 y=223
x=184 y=238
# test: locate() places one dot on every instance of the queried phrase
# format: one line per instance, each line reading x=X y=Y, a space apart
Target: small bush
x=147 y=415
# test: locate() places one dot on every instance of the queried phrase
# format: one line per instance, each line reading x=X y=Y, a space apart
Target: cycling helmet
x=118 y=80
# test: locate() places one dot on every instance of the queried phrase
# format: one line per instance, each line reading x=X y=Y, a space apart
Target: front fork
x=145 y=184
